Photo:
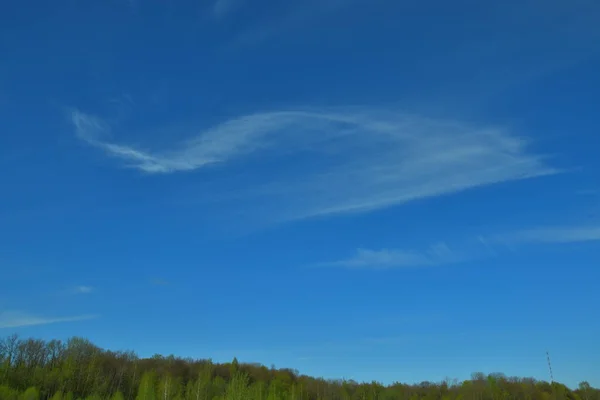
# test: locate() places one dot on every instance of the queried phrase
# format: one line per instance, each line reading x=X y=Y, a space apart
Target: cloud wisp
x=346 y=160
x=286 y=17
x=16 y=319
x=82 y=289
x=221 y=8
x=438 y=254
x=480 y=248
x=160 y=282
x=556 y=235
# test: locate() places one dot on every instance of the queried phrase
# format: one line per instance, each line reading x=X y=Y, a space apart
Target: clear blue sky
x=388 y=190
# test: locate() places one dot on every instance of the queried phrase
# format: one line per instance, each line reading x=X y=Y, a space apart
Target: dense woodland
x=32 y=369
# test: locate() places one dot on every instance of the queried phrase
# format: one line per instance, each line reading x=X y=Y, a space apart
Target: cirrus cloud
x=556 y=235
x=437 y=254
x=82 y=289
x=16 y=319
x=335 y=161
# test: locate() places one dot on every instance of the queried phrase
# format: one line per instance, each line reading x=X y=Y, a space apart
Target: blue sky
x=376 y=190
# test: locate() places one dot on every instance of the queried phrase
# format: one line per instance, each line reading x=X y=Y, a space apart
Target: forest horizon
x=76 y=369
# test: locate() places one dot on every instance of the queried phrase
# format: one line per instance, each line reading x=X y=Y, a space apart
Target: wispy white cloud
x=287 y=16
x=15 y=319
x=385 y=258
x=487 y=246
x=588 y=192
x=393 y=258
x=552 y=235
x=160 y=282
x=345 y=160
x=468 y=250
x=223 y=7
x=81 y=289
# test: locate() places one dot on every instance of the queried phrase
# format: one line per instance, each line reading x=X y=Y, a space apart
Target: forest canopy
x=34 y=369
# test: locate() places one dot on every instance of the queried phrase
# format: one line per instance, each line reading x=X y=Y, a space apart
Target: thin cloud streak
x=553 y=235
x=588 y=192
x=16 y=319
x=293 y=16
x=160 y=282
x=348 y=160
x=83 y=289
x=380 y=259
x=221 y=8
x=483 y=247
x=437 y=254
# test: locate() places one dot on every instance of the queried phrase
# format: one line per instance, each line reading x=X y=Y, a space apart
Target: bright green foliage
x=237 y=389
x=234 y=367
x=94 y=396
x=275 y=391
x=30 y=394
x=78 y=370
x=164 y=389
x=219 y=385
x=200 y=388
x=147 y=387
x=7 y=393
x=257 y=391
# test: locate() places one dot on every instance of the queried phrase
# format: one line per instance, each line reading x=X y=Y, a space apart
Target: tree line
x=34 y=369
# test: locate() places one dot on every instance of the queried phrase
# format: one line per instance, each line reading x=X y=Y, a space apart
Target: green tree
x=199 y=389
x=234 y=367
x=257 y=391
x=219 y=385
x=94 y=396
x=237 y=389
x=7 y=393
x=147 y=387
x=168 y=388
x=31 y=393
x=34 y=370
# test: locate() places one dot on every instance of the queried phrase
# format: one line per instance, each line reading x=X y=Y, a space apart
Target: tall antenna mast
x=550 y=367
